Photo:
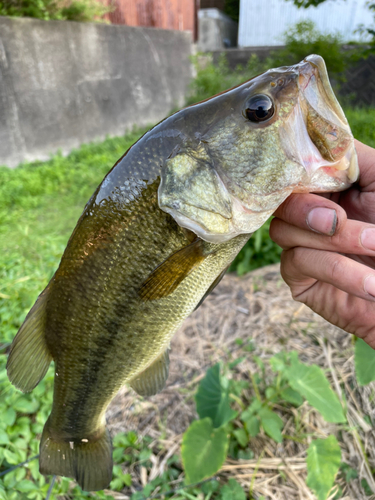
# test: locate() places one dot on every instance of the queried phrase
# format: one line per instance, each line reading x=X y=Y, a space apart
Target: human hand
x=329 y=251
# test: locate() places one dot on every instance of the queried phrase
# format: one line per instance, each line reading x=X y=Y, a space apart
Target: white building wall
x=263 y=22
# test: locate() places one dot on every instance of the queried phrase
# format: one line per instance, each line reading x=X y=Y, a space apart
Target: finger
x=366 y=161
x=312 y=212
x=357 y=238
x=303 y=267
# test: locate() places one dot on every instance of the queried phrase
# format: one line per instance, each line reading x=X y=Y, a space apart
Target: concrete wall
x=65 y=83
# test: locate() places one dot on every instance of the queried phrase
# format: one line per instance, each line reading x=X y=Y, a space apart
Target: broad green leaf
x=9 y=416
x=232 y=491
x=278 y=361
x=313 y=385
x=323 y=463
x=212 y=399
x=245 y=454
x=11 y=457
x=26 y=486
x=252 y=425
x=25 y=405
x=271 y=393
x=210 y=486
x=253 y=408
x=241 y=436
x=19 y=474
x=348 y=471
x=292 y=396
x=272 y=424
x=4 y=439
x=364 y=360
x=203 y=450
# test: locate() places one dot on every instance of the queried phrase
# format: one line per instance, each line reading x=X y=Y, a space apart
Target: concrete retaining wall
x=66 y=83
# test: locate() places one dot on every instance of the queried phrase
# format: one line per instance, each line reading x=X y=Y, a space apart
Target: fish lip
x=314 y=65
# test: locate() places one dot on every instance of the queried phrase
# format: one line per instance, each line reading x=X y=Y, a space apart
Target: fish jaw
x=317 y=134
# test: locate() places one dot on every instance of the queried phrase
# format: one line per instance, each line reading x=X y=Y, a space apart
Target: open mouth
x=317 y=134
x=316 y=89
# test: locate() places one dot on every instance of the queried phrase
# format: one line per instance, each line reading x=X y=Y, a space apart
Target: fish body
x=157 y=236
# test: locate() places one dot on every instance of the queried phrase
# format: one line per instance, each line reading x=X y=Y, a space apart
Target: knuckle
x=297 y=257
x=337 y=269
x=290 y=209
x=288 y=263
x=274 y=230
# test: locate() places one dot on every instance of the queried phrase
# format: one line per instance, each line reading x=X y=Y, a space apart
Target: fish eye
x=259 y=108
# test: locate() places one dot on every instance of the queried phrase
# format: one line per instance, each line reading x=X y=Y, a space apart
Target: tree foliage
x=232 y=9
x=368 y=31
x=64 y=10
x=305 y=38
x=307 y=3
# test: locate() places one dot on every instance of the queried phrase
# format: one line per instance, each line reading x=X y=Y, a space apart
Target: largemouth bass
x=157 y=236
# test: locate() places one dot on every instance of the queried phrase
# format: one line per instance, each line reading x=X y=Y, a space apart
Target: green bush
x=304 y=38
x=213 y=78
x=68 y=10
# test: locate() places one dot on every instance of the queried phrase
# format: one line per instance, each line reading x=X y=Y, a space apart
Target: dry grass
x=258 y=306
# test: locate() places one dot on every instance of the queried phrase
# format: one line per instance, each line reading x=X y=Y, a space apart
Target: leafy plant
x=213 y=78
x=65 y=10
x=323 y=462
x=364 y=358
x=304 y=38
x=203 y=450
x=369 y=31
x=206 y=441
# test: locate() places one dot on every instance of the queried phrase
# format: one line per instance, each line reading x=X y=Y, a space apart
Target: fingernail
x=368 y=238
x=322 y=220
x=369 y=285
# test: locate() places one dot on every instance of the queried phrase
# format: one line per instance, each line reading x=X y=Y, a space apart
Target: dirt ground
x=257 y=306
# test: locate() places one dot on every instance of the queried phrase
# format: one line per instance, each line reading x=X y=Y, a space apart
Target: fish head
x=247 y=149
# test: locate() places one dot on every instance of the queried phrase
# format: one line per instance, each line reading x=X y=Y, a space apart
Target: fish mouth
x=317 y=133
x=314 y=81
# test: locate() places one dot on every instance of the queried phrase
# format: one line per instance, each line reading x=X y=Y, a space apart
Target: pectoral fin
x=166 y=277
x=152 y=380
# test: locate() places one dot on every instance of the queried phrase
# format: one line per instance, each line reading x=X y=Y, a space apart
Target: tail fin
x=29 y=357
x=89 y=462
